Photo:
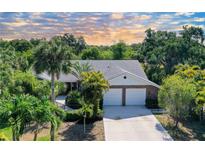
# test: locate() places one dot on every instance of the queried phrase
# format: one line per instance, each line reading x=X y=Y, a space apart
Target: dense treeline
x=159 y=53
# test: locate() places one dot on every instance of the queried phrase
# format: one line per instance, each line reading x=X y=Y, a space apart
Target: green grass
x=186 y=131
x=44 y=138
x=7 y=132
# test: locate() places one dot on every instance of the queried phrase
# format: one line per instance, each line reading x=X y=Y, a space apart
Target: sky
x=97 y=28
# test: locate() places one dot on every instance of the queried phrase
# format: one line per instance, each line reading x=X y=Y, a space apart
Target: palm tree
x=54 y=58
x=41 y=116
x=16 y=113
x=56 y=115
x=78 y=69
x=93 y=86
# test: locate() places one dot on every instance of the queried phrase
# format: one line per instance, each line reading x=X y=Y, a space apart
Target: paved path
x=132 y=123
x=60 y=100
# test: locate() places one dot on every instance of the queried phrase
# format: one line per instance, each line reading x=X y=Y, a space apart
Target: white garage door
x=135 y=96
x=113 y=97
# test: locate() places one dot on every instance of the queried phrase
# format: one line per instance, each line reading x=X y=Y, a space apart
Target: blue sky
x=96 y=28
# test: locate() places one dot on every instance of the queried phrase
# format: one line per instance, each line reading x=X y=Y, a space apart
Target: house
x=128 y=82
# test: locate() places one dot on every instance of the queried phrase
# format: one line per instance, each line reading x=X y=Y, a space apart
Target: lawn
x=187 y=130
x=68 y=131
x=7 y=132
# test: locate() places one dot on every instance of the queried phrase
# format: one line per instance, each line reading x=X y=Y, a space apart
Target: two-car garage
x=125 y=96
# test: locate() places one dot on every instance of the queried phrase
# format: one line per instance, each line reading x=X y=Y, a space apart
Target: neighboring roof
x=110 y=69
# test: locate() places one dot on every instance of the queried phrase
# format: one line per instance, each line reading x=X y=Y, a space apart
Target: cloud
x=17 y=23
x=143 y=17
x=199 y=19
x=117 y=16
x=188 y=14
x=96 y=28
x=20 y=22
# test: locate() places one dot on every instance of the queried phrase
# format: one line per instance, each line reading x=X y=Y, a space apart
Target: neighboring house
x=129 y=84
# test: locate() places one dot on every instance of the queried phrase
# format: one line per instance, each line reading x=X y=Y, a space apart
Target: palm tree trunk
x=14 y=134
x=52 y=132
x=53 y=87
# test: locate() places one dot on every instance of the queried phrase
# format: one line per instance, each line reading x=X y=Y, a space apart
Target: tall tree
x=54 y=58
x=21 y=45
x=118 y=50
x=175 y=96
x=91 y=53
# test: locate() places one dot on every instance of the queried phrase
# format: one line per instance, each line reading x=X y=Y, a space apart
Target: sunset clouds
x=96 y=28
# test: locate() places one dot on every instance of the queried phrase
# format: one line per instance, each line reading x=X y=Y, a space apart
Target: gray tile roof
x=110 y=69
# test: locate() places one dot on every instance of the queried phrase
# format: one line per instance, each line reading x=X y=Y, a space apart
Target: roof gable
x=110 y=69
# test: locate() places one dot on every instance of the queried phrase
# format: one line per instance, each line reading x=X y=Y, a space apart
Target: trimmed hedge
x=76 y=115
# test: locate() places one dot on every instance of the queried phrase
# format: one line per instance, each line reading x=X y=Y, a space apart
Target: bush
x=73 y=99
x=3 y=137
x=73 y=115
x=152 y=104
x=76 y=115
x=60 y=88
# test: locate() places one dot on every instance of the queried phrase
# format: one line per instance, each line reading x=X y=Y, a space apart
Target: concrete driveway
x=132 y=123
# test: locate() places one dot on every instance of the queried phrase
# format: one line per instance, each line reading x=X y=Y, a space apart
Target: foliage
x=164 y=50
x=73 y=115
x=20 y=111
x=27 y=83
x=43 y=113
x=176 y=95
x=118 y=50
x=3 y=137
x=106 y=55
x=77 y=44
x=54 y=58
x=16 y=113
x=21 y=45
x=73 y=99
x=7 y=132
x=94 y=86
x=5 y=79
x=78 y=69
x=59 y=88
x=197 y=77
x=91 y=53
x=86 y=109
x=25 y=60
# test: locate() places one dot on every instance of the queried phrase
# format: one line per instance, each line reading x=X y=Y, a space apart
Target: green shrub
x=73 y=115
x=3 y=137
x=152 y=103
x=77 y=115
x=60 y=88
x=87 y=109
x=73 y=99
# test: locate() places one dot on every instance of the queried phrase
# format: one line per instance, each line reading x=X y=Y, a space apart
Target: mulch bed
x=186 y=131
x=72 y=131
